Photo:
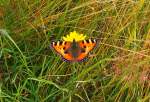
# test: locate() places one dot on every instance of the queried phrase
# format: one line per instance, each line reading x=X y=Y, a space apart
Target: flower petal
x=74 y=36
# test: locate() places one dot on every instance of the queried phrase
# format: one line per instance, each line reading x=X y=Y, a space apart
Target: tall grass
x=118 y=68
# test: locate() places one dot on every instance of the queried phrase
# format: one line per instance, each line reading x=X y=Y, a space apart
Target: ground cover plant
x=117 y=70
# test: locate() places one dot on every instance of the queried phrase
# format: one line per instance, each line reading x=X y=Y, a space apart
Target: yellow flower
x=74 y=36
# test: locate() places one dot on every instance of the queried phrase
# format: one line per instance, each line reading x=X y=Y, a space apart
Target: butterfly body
x=74 y=51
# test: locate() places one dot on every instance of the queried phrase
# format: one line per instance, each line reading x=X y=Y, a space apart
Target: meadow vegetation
x=117 y=70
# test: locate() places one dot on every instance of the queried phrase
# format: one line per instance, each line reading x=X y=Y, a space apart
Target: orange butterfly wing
x=61 y=47
x=64 y=49
x=86 y=46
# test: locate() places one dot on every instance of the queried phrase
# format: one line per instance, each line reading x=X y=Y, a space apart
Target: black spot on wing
x=93 y=40
x=64 y=48
x=65 y=43
x=54 y=43
x=82 y=41
x=60 y=42
x=87 y=41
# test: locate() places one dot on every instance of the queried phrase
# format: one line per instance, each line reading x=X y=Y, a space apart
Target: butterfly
x=74 y=51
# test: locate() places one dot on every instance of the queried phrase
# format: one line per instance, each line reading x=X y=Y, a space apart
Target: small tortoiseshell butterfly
x=74 y=51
